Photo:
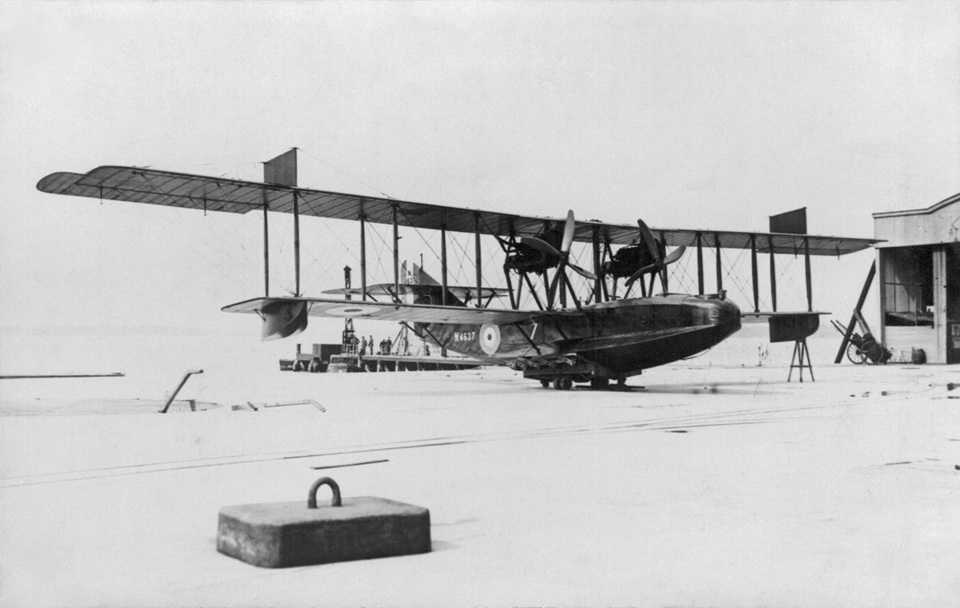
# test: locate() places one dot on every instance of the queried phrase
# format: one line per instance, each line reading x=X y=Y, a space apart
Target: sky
x=687 y=114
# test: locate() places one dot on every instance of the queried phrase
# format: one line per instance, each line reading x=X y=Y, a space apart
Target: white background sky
x=695 y=114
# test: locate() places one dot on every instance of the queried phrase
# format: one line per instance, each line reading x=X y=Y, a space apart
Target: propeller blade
x=539 y=244
x=658 y=266
x=640 y=273
x=568 y=231
x=584 y=273
x=648 y=240
x=674 y=255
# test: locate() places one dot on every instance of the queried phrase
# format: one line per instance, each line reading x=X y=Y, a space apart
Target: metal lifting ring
x=323 y=481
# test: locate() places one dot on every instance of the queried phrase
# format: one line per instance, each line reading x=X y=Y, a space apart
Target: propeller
x=659 y=265
x=564 y=252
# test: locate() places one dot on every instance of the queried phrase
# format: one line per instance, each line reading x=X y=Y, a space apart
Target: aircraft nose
x=728 y=316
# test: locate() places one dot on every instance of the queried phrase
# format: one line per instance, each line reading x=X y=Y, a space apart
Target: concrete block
x=280 y=535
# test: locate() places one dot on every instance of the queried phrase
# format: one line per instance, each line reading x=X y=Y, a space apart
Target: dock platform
x=398 y=363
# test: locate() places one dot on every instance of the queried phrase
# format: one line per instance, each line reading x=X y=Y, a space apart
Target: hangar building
x=919 y=269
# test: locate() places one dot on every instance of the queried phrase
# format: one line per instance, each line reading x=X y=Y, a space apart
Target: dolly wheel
x=856 y=355
x=563 y=383
x=545 y=383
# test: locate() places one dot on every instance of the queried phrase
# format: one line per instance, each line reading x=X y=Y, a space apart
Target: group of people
x=386 y=345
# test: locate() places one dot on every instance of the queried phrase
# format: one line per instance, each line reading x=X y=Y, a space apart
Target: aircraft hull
x=621 y=338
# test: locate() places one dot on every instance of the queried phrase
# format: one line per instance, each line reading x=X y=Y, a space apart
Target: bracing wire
x=379 y=270
x=461 y=254
x=216 y=257
x=735 y=278
x=332 y=260
x=680 y=274
x=342 y=172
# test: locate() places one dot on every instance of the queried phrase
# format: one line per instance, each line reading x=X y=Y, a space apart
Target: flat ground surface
x=713 y=485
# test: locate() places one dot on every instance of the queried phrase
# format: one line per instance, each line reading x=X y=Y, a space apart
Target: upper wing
x=237 y=196
x=387 y=311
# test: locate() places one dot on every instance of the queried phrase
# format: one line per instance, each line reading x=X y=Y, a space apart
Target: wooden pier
x=398 y=363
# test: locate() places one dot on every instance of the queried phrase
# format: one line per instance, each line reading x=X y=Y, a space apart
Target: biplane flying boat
x=603 y=336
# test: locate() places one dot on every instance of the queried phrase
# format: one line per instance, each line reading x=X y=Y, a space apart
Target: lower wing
x=787 y=326
x=284 y=317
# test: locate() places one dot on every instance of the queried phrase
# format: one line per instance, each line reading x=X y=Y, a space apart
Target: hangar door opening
x=907 y=292
x=953 y=302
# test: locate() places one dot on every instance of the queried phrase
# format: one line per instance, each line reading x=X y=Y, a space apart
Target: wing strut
x=396 y=253
x=524 y=334
x=700 y=262
x=363 y=258
x=773 y=278
x=753 y=270
x=716 y=241
x=266 y=247
x=296 y=242
x=443 y=263
x=533 y=291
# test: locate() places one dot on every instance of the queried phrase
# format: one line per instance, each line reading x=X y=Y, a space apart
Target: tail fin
x=432 y=296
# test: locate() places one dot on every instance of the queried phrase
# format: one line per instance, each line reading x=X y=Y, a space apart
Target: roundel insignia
x=489 y=338
x=354 y=310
